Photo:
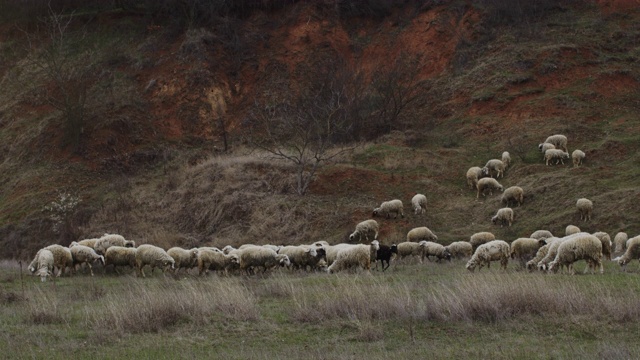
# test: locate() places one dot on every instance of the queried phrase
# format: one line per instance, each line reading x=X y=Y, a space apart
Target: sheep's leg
x=90 y=268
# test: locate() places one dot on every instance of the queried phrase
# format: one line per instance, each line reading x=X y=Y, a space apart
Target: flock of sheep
x=540 y=251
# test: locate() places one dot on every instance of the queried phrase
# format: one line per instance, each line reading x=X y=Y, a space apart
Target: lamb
x=302 y=256
x=525 y=249
x=559 y=141
x=544 y=147
x=578 y=247
x=571 y=229
x=364 y=230
x=541 y=234
x=503 y=216
x=411 y=249
x=357 y=255
x=506 y=159
x=606 y=243
x=473 y=175
x=153 y=256
x=215 y=260
x=82 y=254
x=390 y=207
x=419 y=203
x=107 y=240
x=260 y=257
x=493 y=166
x=496 y=250
x=632 y=252
x=183 y=259
x=120 y=256
x=62 y=258
x=385 y=253
x=42 y=264
x=533 y=263
x=555 y=154
x=513 y=194
x=620 y=242
x=480 y=238
x=489 y=184
x=460 y=249
x=585 y=207
x=421 y=233
x=437 y=250
x=577 y=156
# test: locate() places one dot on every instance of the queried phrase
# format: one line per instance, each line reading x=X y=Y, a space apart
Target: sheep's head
x=321 y=253
x=375 y=244
x=485 y=171
x=554 y=267
x=446 y=254
x=471 y=265
x=283 y=260
x=352 y=236
x=394 y=249
x=130 y=243
x=540 y=146
x=101 y=258
x=311 y=251
x=376 y=212
x=494 y=219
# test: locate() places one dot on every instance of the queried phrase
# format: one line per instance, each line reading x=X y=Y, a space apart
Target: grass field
x=432 y=310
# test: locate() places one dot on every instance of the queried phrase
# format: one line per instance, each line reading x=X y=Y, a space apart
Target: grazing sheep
x=555 y=154
x=364 y=230
x=585 y=207
x=533 y=263
x=209 y=259
x=632 y=252
x=183 y=258
x=437 y=250
x=107 y=240
x=494 y=166
x=84 y=255
x=513 y=194
x=354 y=256
x=552 y=250
x=419 y=203
x=390 y=207
x=578 y=157
x=496 y=250
x=480 y=238
x=421 y=233
x=120 y=256
x=571 y=229
x=302 y=256
x=578 y=247
x=385 y=253
x=62 y=258
x=460 y=249
x=525 y=249
x=154 y=257
x=260 y=257
x=411 y=249
x=541 y=234
x=503 y=216
x=606 y=243
x=473 y=175
x=506 y=159
x=89 y=242
x=544 y=147
x=559 y=141
x=620 y=242
x=44 y=264
x=489 y=184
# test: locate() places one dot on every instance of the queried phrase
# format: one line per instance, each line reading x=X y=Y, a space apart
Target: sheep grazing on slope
x=585 y=207
x=421 y=233
x=488 y=185
x=480 y=238
x=577 y=156
x=606 y=243
x=559 y=141
x=533 y=263
x=84 y=255
x=183 y=258
x=108 y=240
x=411 y=249
x=365 y=231
x=355 y=256
x=571 y=229
x=506 y=159
x=541 y=234
x=42 y=264
x=578 y=247
x=544 y=147
x=435 y=249
x=460 y=249
x=385 y=253
x=473 y=175
x=62 y=258
x=209 y=259
x=620 y=242
x=632 y=252
x=419 y=204
x=525 y=249
x=493 y=167
x=503 y=217
x=390 y=207
x=154 y=257
x=496 y=250
x=555 y=155
x=513 y=194
x=554 y=244
x=120 y=256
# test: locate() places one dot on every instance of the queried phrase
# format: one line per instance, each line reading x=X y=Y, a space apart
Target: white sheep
x=525 y=249
x=411 y=249
x=120 y=256
x=333 y=250
x=620 y=242
x=303 y=256
x=555 y=154
x=513 y=194
x=480 y=238
x=506 y=159
x=355 y=256
x=473 y=175
x=559 y=141
x=540 y=254
x=503 y=217
x=62 y=258
x=209 y=259
x=153 y=256
x=183 y=258
x=544 y=147
x=42 y=264
x=390 y=207
x=419 y=204
x=554 y=243
x=82 y=254
x=577 y=156
x=488 y=184
x=571 y=229
x=421 y=233
x=632 y=252
x=437 y=250
x=541 y=234
x=460 y=249
x=494 y=167
x=252 y=258
x=585 y=207
x=364 y=230
x=578 y=247
x=607 y=245
x=496 y=250
x=107 y=240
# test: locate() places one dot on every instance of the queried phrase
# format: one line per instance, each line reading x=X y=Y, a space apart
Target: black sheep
x=384 y=254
